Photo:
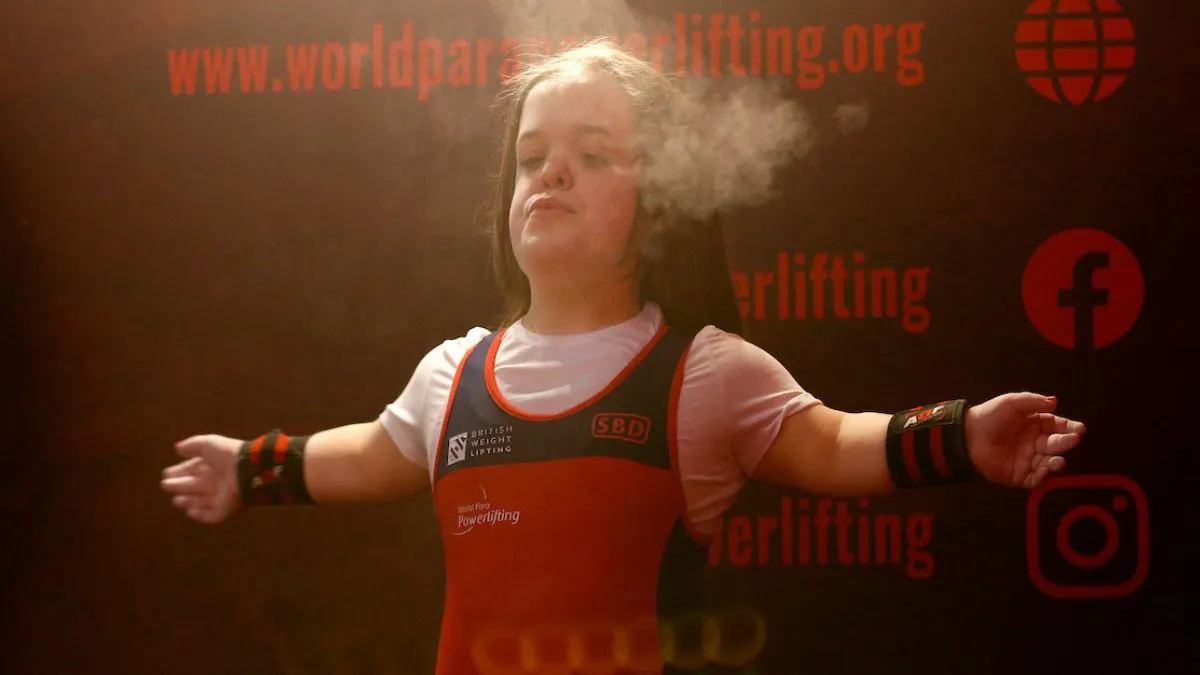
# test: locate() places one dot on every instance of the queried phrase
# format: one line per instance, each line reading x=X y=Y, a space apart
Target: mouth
x=549 y=204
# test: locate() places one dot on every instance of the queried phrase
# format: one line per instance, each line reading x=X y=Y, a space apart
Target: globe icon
x=1075 y=51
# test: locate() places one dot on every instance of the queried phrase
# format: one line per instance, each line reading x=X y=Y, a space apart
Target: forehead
x=577 y=101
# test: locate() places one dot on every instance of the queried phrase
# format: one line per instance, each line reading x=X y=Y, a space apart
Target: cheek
x=515 y=222
x=516 y=214
x=619 y=206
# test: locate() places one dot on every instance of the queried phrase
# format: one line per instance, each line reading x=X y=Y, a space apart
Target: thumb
x=1030 y=403
x=193 y=446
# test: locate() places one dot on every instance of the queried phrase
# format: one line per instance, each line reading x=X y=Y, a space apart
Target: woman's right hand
x=205 y=484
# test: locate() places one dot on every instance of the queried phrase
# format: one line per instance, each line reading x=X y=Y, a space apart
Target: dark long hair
x=682 y=265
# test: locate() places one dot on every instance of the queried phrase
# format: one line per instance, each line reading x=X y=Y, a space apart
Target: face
x=575 y=195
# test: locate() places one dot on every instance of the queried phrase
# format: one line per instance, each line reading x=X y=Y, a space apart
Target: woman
x=581 y=454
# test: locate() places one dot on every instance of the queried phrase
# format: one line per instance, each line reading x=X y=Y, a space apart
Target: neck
x=579 y=308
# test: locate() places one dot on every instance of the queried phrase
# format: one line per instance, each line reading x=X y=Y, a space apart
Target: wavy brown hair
x=682 y=264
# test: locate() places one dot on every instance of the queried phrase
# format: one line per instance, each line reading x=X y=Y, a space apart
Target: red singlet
x=566 y=536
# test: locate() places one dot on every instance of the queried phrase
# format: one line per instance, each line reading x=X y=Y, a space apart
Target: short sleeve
x=414 y=419
x=734 y=400
x=752 y=393
x=760 y=394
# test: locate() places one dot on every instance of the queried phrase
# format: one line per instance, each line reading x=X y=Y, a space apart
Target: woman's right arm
x=359 y=463
x=362 y=462
x=352 y=463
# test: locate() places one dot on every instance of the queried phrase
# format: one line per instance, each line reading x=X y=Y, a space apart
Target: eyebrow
x=580 y=130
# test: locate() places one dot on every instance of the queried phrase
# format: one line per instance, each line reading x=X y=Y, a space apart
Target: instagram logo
x=1088 y=537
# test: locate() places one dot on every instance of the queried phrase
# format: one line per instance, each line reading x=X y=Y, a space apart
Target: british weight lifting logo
x=457 y=451
x=478 y=442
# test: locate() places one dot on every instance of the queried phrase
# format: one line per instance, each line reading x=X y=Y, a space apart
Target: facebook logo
x=1082 y=297
x=1082 y=289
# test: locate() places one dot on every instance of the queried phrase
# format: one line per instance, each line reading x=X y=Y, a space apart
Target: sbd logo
x=1082 y=289
x=622 y=427
x=1088 y=537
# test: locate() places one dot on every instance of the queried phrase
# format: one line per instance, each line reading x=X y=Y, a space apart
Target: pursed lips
x=548 y=204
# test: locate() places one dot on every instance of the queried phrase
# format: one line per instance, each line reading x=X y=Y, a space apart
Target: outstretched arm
x=1013 y=440
x=353 y=463
x=827 y=451
x=357 y=463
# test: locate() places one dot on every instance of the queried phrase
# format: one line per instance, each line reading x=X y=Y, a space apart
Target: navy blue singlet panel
x=504 y=439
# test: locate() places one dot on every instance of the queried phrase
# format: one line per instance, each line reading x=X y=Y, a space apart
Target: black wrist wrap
x=270 y=470
x=928 y=445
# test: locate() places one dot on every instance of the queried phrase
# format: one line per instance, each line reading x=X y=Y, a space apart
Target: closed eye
x=596 y=160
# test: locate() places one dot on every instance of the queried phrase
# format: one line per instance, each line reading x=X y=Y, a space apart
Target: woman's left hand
x=1016 y=440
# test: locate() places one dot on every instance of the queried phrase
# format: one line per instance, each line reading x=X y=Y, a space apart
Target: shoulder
x=714 y=350
x=414 y=419
x=445 y=357
x=739 y=394
x=739 y=379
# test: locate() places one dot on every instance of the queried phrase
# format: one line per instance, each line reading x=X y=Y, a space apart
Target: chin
x=541 y=253
x=545 y=241
x=549 y=262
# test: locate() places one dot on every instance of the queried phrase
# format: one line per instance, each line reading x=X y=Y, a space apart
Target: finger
x=1055 y=444
x=191 y=446
x=1053 y=424
x=185 y=502
x=1036 y=477
x=1041 y=467
x=1034 y=403
x=185 y=468
x=185 y=485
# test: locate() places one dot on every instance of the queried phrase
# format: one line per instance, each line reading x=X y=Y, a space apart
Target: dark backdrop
x=233 y=257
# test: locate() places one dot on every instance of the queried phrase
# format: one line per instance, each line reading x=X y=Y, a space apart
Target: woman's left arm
x=827 y=451
x=1014 y=440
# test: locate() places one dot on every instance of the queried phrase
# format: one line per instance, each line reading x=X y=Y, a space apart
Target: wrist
x=927 y=445
x=971 y=434
x=270 y=470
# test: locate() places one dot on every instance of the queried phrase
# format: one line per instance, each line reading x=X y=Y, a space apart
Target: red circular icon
x=1082 y=289
x=1075 y=50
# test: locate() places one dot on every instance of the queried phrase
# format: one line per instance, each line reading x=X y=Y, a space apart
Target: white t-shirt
x=733 y=400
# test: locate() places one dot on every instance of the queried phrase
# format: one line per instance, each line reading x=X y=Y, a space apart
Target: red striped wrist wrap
x=270 y=470
x=928 y=445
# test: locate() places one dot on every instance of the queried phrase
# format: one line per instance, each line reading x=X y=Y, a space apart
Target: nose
x=556 y=174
